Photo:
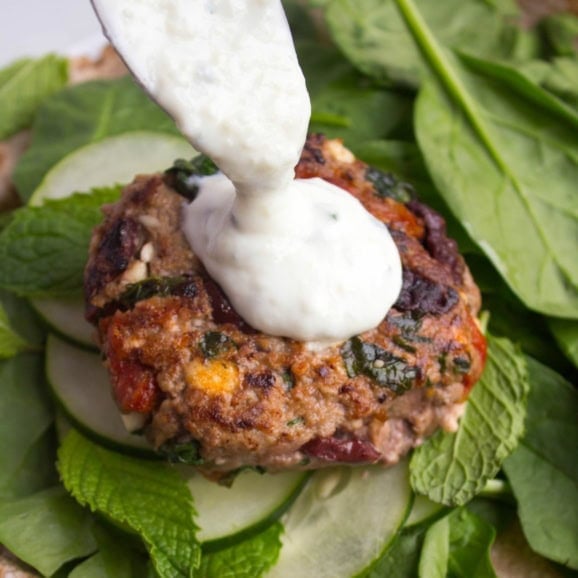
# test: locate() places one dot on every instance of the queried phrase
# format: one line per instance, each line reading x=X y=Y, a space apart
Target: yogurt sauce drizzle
x=297 y=258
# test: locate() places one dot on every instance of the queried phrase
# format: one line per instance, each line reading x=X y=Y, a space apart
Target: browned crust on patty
x=180 y=355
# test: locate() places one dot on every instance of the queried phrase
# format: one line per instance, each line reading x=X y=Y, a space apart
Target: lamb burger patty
x=213 y=391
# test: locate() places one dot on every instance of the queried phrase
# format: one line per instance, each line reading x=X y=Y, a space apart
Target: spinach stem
x=434 y=54
x=451 y=82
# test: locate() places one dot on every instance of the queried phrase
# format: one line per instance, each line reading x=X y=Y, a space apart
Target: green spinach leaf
x=249 y=559
x=43 y=250
x=10 y=341
x=470 y=540
x=46 y=529
x=401 y=559
x=451 y=468
x=510 y=318
x=566 y=334
x=559 y=76
x=373 y=36
x=404 y=159
x=92 y=567
x=84 y=114
x=344 y=104
x=24 y=320
x=118 y=556
x=148 y=497
x=433 y=562
x=503 y=153
x=24 y=85
x=27 y=456
x=543 y=471
x=561 y=31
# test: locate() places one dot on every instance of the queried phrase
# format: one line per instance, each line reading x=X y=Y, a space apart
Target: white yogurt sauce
x=297 y=258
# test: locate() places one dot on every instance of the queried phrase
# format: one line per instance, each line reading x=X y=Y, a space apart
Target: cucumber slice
x=229 y=515
x=113 y=160
x=66 y=317
x=423 y=510
x=343 y=522
x=81 y=386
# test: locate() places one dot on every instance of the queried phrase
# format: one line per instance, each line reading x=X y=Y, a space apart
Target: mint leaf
x=10 y=341
x=148 y=497
x=543 y=471
x=249 y=559
x=46 y=529
x=27 y=456
x=23 y=86
x=43 y=250
x=469 y=549
x=84 y=114
x=451 y=468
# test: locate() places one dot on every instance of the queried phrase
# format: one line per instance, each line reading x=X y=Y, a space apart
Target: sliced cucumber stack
x=80 y=384
x=343 y=521
x=336 y=526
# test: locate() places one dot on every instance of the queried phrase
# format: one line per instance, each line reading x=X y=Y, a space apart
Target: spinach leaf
x=343 y=103
x=148 y=497
x=27 y=456
x=117 y=556
x=451 y=468
x=543 y=471
x=566 y=334
x=509 y=318
x=23 y=319
x=24 y=85
x=46 y=529
x=374 y=38
x=92 y=567
x=463 y=549
x=10 y=341
x=433 y=562
x=401 y=559
x=248 y=559
x=496 y=508
x=559 y=76
x=405 y=160
x=386 y=370
x=503 y=153
x=300 y=19
x=470 y=540
x=84 y=114
x=561 y=31
x=43 y=250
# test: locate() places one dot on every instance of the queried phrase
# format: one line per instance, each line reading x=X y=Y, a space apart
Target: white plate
x=36 y=27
